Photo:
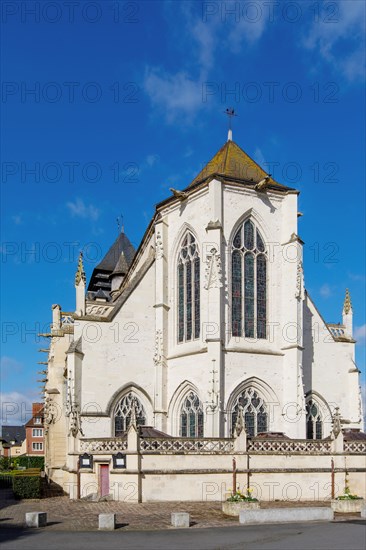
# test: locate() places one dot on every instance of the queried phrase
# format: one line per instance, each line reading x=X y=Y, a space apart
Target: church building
x=208 y=319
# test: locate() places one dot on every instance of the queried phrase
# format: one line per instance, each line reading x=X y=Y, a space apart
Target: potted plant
x=238 y=501
x=347 y=503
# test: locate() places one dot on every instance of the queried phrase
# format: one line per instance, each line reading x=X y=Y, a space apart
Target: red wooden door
x=104 y=480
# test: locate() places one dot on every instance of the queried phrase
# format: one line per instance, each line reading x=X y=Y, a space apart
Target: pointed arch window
x=314 y=421
x=254 y=411
x=123 y=412
x=249 y=283
x=188 y=290
x=191 y=416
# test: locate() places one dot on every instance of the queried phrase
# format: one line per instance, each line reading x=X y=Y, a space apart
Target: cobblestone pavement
x=64 y=514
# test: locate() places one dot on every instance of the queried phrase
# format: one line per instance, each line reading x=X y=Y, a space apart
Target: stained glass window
x=314 y=423
x=249 y=283
x=122 y=416
x=254 y=411
x=236 y=293
x=191 y=417
x=188 y=290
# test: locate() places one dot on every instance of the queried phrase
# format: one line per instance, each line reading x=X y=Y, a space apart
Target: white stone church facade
x=207 y=320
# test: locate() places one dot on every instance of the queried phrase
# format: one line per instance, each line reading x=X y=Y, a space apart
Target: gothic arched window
x=191 y=417
x=314 y=422
x=254 y=411
x=123 y=412
x=248 y=283
x=188 y=290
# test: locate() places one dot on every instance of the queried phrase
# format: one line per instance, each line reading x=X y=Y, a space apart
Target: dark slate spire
x=117 y=259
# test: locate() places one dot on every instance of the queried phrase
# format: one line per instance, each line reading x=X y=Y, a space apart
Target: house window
x=37 y=446
x=248 y=283
x=122 y=417
x=254 y=411
x=37 y=432
x=188 y=290
x=314 y=423
x=191 y=417
x=38 y=420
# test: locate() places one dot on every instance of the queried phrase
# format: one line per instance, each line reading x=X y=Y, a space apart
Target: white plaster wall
x=117 y=354
x=329 y=369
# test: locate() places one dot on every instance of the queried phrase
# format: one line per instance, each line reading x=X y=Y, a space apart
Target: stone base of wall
x=348 y=506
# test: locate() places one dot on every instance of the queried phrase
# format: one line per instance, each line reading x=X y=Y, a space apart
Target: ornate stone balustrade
x=177 y=445
x=184 y=445
x=289 y=446
x=355 y=447
x=103 y=445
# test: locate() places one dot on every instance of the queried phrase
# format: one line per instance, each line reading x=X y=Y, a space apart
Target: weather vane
x=230 y=114
x=120 y=224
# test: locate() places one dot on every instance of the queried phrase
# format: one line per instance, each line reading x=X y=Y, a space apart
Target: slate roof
x=110 y=260
x=233 y=163
x=354 y=435
x=13 y=433
x=117 y=260
x=149 y=431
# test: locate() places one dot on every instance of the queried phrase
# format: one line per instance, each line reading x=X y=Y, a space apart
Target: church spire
x=80 y=280
x=80 y=273
x=347 y=314
x=347 y=306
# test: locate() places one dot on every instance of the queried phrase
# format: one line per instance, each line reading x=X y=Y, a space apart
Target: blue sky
x=108 y=104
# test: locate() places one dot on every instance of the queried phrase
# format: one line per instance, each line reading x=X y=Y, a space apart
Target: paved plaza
x=75 y=515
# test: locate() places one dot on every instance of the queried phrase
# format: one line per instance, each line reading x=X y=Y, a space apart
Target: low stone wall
x=285 y=515
x=180 y=469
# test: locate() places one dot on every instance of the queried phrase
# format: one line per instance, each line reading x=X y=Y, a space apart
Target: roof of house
x=234 y=163
x=31 y=422
x=13 y=433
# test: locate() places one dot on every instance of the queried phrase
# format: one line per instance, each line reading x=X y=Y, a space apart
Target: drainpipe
x=332 y=478
x=234 y=475
x=78 y=480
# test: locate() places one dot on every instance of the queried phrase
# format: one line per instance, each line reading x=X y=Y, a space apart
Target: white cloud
x=16 y=408
x=175 y=95
x=179 y=95
x=360 y=334
x=357 y=277
x=339 y=38
x=247 y=30
x=325 y=291
x=152 y=159
x=78 y=209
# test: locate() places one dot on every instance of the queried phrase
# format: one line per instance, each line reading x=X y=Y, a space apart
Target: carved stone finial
x=337 y=426
x=80 y=273
x=347 y=307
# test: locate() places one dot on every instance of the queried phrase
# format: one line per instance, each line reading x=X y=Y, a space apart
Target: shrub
x=27 y=485
x=5 y=463
x=31 y=461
